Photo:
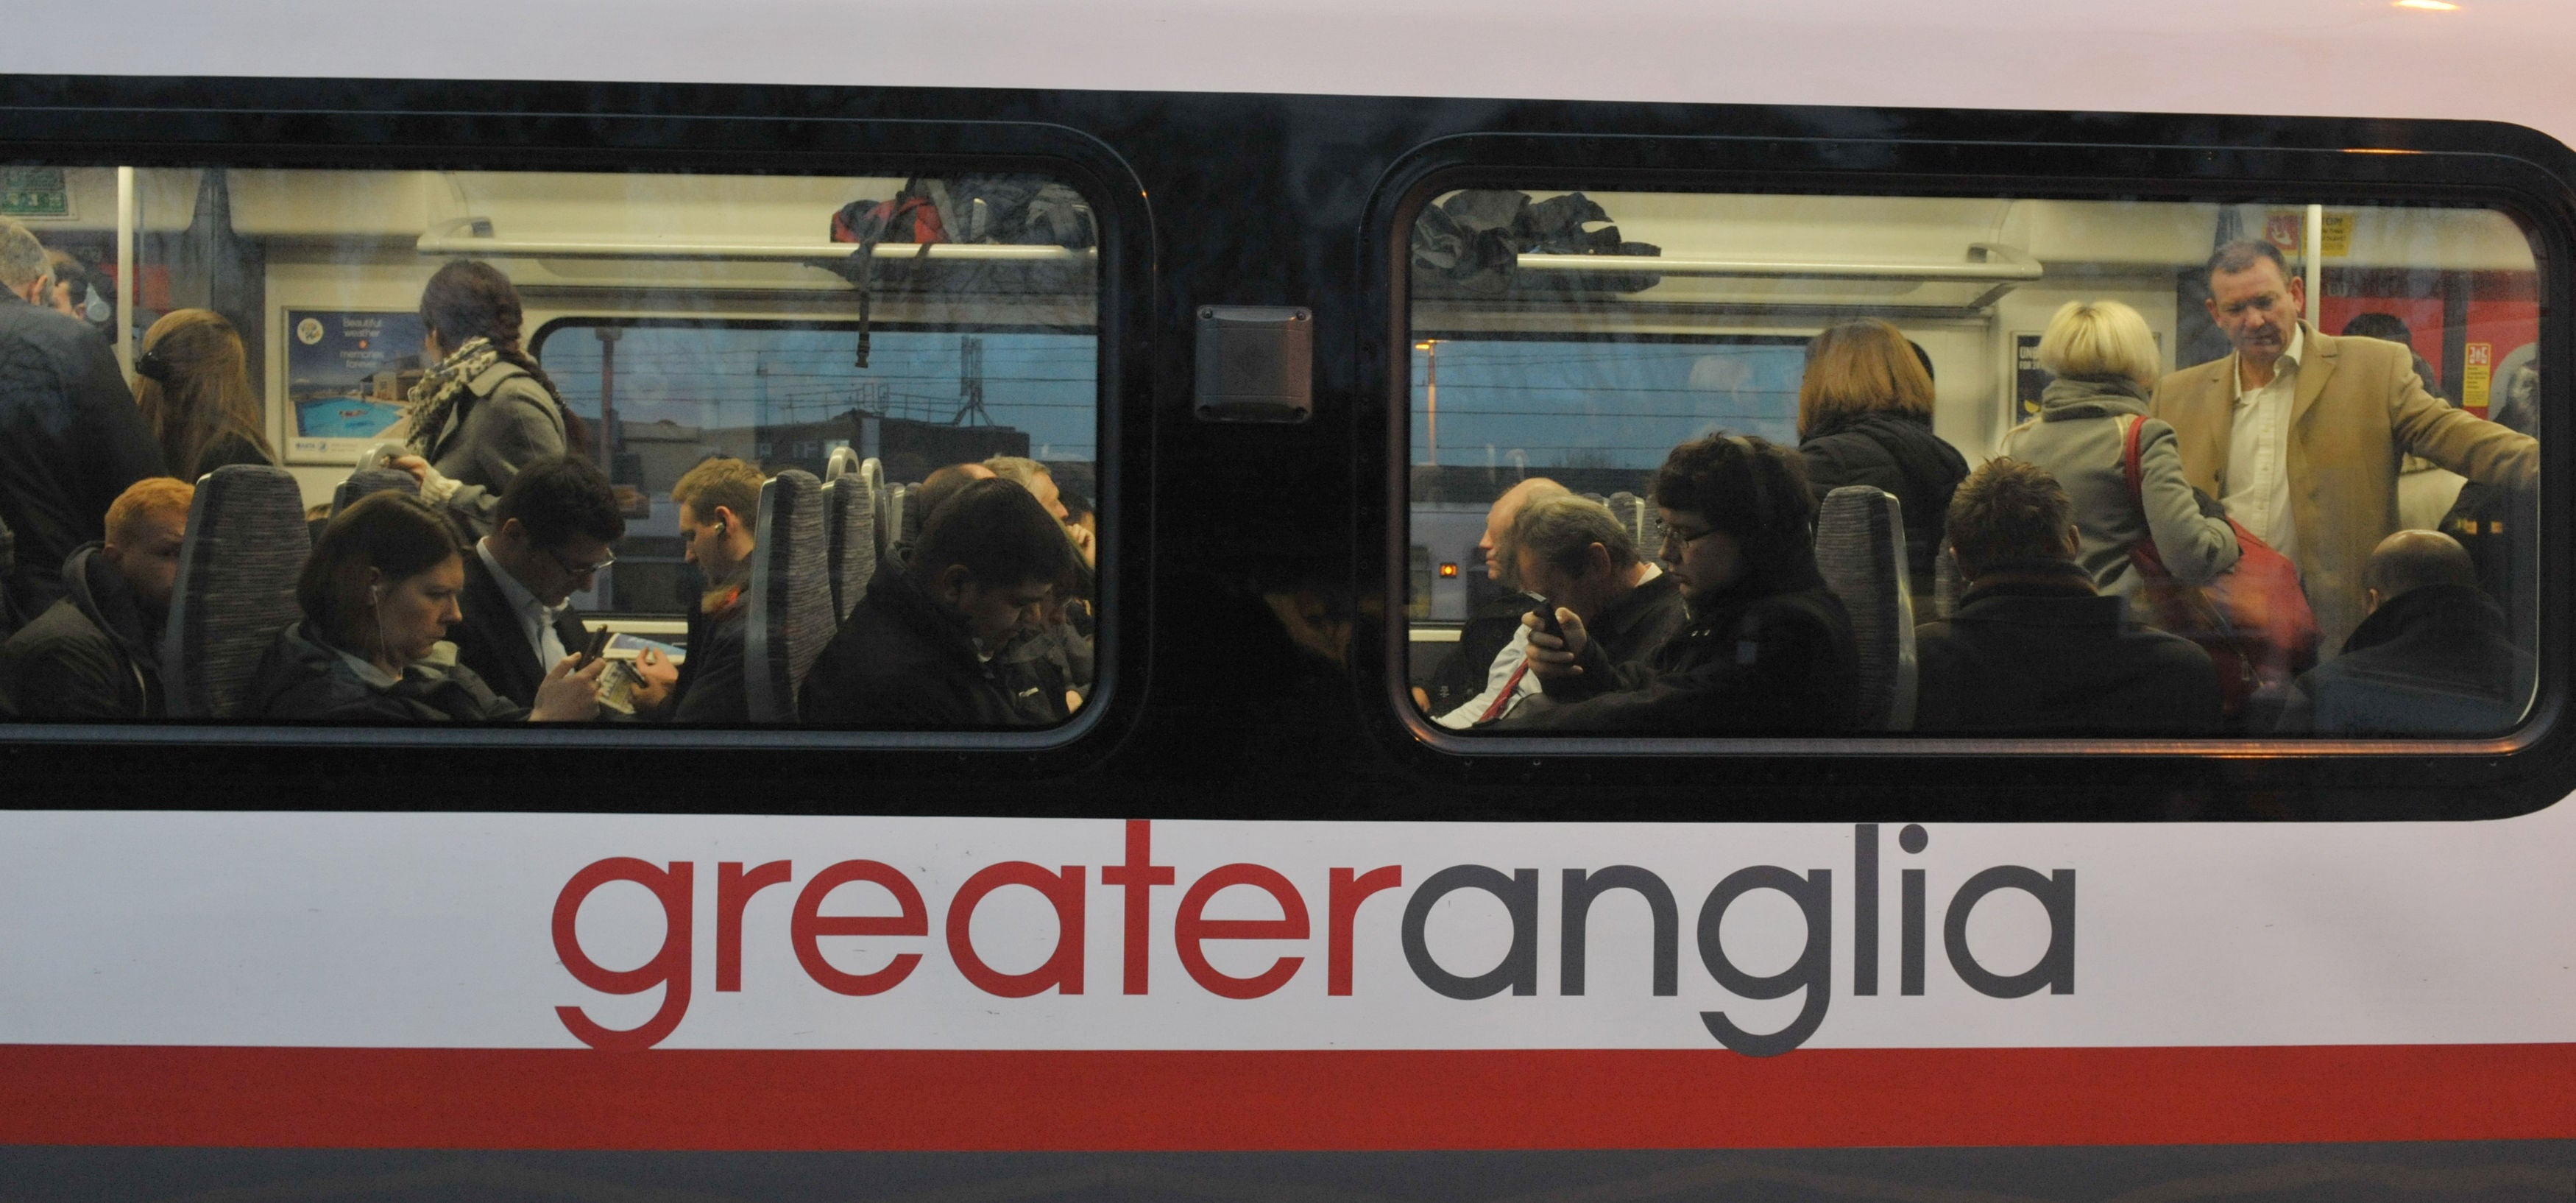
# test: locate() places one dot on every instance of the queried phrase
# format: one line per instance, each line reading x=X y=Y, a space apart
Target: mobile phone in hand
x=590 y=654
x=1548 y=623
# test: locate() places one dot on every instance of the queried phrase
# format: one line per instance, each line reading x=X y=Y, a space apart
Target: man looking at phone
x=1573 y=552
x=550 y=537
x=925 y=648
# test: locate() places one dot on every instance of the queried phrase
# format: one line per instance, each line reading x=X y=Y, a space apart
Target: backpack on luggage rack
x=1015 y=209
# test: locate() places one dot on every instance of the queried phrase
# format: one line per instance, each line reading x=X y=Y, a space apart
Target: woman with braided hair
x=486 y=408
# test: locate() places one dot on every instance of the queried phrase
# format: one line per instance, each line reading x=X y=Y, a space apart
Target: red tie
x=1510 y=689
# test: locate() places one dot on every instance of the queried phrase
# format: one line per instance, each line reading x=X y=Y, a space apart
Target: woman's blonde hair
x=1859 y=367
x=193 y=383
x=2100 y=338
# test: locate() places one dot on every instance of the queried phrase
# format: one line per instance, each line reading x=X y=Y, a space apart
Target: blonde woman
x=1865 y=418
x=193 y=383
x=2106 y=365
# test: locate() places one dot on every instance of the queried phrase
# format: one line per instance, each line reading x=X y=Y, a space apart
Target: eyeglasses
x=572 y=569
x=1673 y=537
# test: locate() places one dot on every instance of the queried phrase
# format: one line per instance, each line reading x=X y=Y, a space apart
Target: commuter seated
x=1767 y=649
x=2033 y=648
x=2431 y=656
x=1575 y=553
x=379 y=593
x=719 y=500
x=923 y=650
x=550 y=536
x=1490 y=646
x=96 y=654
x=934 y=491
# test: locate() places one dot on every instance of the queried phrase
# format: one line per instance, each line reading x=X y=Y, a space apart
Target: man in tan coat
x=2299 y=433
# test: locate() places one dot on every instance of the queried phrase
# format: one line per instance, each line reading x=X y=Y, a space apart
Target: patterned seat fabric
x=246 y=544
x=907 y=516
x=791 y=594
x=372 y=480
x=850 y=536
x=1860 y=549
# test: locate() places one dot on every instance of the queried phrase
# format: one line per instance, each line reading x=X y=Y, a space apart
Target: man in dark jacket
x=1574 y=552
x=550 y=535
x=719 y=500
x=1768 y=648
x=96 y=654
x=2033 y=649
x=71 y=438
x=2431 y=657
x=923 y=650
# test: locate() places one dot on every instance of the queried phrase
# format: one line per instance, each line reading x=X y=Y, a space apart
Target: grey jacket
x=509 y=422
x=2077 y=437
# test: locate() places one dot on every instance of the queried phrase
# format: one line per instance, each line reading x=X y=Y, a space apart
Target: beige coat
x=2358 y=408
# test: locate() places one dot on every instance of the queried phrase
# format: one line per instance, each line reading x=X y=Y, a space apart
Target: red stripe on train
x=1551 y=1099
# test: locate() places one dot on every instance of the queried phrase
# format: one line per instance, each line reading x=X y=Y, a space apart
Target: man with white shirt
x=2299 y=433
x=551 y=532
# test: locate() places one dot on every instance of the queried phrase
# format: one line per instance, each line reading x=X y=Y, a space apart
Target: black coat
x=1898 y=454
x=71 y=439
x=93 y=655
x=2434 y=660
x=491 y=642
x=901 y=662
x=711 y=687
x=1773 y=655
x=303 y=678
x=2039 y=652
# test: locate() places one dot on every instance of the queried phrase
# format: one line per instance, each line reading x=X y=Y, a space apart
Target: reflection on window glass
x=419 y=446
x=1800 y=465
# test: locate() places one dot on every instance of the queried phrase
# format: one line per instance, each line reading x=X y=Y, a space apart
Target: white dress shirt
x=2257 y=489
x=536 y=619
x=1498 y=677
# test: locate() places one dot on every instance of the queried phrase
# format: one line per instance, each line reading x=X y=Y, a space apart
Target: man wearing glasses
x=550 y=536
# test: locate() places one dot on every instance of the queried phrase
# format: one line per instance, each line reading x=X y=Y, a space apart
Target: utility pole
x=970 y=384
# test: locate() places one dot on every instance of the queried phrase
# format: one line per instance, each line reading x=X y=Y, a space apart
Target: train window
x=485 y=446
x=1799 y=465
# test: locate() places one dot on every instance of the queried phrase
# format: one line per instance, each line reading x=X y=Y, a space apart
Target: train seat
x=1860 y=549
x=372 y=480
x=849 y=536
x=902 y=519
x=245 y=545
x=791 y=594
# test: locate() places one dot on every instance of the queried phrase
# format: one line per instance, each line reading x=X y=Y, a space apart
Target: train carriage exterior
x=1248 y=922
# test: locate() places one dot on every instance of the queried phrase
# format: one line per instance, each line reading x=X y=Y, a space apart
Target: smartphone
x=598 y=644
x=1547 y=622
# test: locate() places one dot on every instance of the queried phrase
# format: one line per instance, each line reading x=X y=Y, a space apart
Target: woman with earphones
x=379 y=592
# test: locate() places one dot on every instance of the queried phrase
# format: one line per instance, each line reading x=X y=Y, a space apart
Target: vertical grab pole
x=2315 y=242
x=125 y=271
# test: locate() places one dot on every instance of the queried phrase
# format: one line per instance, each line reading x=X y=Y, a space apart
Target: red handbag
x=2252 y=619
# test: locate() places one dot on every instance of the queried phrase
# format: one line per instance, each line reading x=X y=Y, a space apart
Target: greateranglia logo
x=1066 y=889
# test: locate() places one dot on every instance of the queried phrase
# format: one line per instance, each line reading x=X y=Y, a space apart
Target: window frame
x=168 y=132
x=2521 y=173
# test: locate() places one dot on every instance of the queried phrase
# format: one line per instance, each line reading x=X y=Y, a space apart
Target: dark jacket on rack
x=305 y=678
x=902 y=662
x=1772 y=655
x=71 y=439
x=2434 y=660
x=2034 y=649
x=492 y=643
x=1898 y=454
x=93 y=655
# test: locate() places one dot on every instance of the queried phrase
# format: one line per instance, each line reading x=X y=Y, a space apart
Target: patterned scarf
x=435 y=396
